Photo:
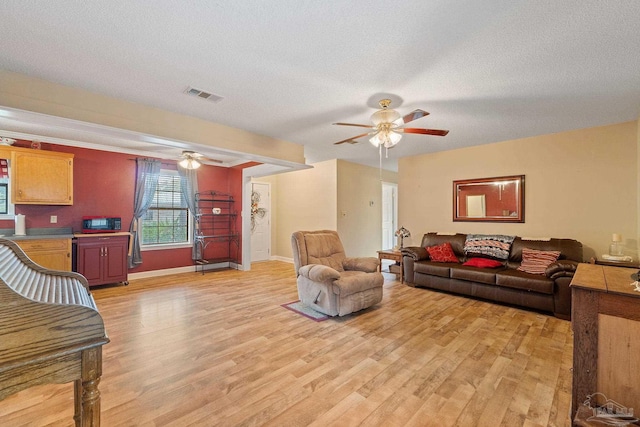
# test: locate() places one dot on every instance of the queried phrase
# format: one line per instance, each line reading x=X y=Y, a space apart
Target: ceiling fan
x=387 y=126
x=193 y=160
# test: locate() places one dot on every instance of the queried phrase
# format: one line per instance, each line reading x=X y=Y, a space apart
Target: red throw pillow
x=483 y=263
x=442 y=253
x=536 y=262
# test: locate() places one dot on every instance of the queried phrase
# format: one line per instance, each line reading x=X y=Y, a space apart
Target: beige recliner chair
x=329 y=281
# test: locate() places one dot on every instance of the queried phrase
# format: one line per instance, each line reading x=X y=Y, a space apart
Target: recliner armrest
x=367 y=264
x=561 y=268
x=318 y=272
x=416 y=252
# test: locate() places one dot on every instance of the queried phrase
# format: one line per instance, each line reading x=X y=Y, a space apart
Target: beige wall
x=360 y=207
x=314 y=199
x=31 y=94
x=303 y=200
x=581 y=184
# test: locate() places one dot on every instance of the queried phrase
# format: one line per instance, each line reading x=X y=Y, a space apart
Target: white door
x=476 y=206
x=389 y=214
x=260 y=221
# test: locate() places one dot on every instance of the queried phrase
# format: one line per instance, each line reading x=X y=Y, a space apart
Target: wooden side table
x=394 y=256
x=605 y=319
x=628 y=264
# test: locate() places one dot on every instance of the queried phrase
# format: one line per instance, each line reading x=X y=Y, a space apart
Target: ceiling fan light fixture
x=376 y=140
x=384 y=116
x=189 y=163
x=388 y=126
x=386 y=138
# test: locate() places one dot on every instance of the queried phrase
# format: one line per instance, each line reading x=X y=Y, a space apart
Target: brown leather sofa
x=549 y=292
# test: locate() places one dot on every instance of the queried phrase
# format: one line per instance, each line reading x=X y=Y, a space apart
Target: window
x=4 y=199
x=167 y=220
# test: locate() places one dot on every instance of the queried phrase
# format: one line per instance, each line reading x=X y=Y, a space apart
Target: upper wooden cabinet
x=40 y=177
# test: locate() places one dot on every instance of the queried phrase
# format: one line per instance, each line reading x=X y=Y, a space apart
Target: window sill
x=167 y=246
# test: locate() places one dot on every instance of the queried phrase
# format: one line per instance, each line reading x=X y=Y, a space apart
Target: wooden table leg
x=584 y=322
x=91 y=373
x=77 y=402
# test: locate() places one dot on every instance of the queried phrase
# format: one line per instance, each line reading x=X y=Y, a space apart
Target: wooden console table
x=394 y=256
x=606 y=335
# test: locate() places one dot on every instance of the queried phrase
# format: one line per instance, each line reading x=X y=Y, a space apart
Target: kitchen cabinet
x=41 y=177
x=102 y=258
x=54 y=254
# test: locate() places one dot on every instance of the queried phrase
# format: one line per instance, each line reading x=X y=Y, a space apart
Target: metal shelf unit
x=216 y=233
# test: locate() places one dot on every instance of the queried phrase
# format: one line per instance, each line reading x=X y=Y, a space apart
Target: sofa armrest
x=407 y=265
x=366 y=264
x=561 y=272
x=416 y=253
x=561 y=268
x=318 y=272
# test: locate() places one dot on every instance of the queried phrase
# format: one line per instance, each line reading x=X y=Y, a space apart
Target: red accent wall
x=104 y=184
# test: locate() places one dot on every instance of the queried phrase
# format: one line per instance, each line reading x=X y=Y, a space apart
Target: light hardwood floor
x=219 y=350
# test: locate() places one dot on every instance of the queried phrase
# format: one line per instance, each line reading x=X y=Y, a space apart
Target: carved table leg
x=77 y=402
x=91 y=403
x=91 y=373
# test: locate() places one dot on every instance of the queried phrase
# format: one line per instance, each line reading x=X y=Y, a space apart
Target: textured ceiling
x=486 y=70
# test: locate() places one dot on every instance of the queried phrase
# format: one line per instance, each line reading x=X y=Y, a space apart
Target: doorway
x=389 y=214
x=476 y=206
x=260 y=221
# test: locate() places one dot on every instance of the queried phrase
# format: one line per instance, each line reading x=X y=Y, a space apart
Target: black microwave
x=101 y=224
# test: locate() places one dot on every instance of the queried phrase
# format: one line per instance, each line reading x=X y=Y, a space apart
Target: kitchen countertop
x=54 y=233
x=38 y=234
x=117 y=233
x=41 y=237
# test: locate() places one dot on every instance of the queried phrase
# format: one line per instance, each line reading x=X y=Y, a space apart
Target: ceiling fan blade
x=353 y=124
x=351 y=140
x=436 y=132
x=414 y=115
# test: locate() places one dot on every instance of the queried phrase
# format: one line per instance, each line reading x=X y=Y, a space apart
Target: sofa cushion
x=569 y=249
x=488 y=245
x=483 y=263
x=433 y=268
x=511 y=278
x=474 y=274
x=456 y=241
x=442 y=253
x=536 y=262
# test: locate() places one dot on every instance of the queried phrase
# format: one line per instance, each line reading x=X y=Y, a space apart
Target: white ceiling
x=488 y=71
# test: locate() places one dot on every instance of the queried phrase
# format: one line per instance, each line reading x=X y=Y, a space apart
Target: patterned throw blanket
x=488 y=245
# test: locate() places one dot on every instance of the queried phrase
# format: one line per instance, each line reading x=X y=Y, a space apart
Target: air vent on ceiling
x=202 y=94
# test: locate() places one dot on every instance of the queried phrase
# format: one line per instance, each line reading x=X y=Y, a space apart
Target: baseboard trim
x=192 y=268
x=179 y=270
x=163 y=272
